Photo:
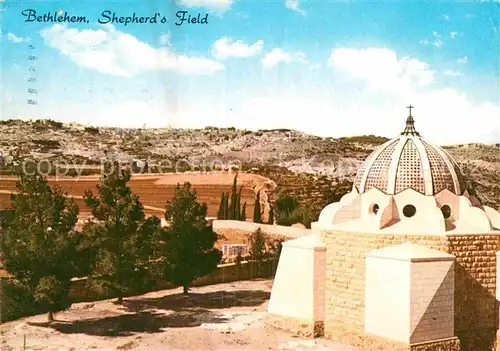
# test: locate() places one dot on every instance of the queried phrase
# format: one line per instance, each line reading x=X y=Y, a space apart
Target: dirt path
x=218 y=317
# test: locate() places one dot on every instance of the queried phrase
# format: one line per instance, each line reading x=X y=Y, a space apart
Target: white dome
x=410 y=162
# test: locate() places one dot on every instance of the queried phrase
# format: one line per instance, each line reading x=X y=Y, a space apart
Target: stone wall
x=225 y=226
x=475 y=282
x=223 y=274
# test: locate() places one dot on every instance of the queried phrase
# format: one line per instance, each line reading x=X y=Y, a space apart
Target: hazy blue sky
x=331 y=68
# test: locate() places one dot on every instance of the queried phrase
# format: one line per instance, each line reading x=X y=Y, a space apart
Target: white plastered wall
x=409 y=294
x=387 y=298
x=299 y=284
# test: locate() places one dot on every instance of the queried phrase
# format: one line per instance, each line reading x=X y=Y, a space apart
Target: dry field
x=155 y=190
x=229 y=316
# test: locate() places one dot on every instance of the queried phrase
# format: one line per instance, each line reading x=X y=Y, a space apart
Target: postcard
x=249 y=175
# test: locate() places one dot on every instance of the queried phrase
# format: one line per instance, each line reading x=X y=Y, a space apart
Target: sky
x=330 y=68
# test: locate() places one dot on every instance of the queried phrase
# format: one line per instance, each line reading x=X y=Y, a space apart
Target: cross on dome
x=410 y=107
x=410 y=124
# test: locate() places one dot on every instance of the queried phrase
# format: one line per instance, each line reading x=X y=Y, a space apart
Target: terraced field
x=155 y=190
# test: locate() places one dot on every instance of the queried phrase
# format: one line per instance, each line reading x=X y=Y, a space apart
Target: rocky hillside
x=314 y=169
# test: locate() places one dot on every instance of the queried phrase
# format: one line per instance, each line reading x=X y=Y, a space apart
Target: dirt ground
x=228 y=316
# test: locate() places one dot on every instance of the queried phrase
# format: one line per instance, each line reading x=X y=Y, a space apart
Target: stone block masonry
x=475 y=304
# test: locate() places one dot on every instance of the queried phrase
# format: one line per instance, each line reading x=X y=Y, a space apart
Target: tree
x=257 y=245
x=231 y=208
x=222 y=211
x=257 y=215
x=121 y=238
x=285 y=203
x=243 y=215
x=286 y=208
x=39 y=242
x=271 y=215
x=188 y=244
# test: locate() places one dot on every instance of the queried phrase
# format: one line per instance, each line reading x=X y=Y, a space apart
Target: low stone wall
x=222 y=226
x=475 y=281
x=223 y=274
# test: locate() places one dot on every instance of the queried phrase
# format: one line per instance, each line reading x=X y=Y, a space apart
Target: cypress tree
x=233 y=209
x=243 y=215
x=256 y=210
x=226 y=206
x=238 y=206
x=271 y=216
x=220 y=211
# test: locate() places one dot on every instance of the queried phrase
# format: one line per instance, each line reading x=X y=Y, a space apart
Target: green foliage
x=257 y=245
x=257 y=214
x=243 y=214
x=234 y=200
x=284 y=208
x=120 y=237
x=231 y=208
x=222 y=212
x=271 y=216
x=16 y=301
x=188 y=243
x=289 y=212
x=40 y=246
x=262 y=246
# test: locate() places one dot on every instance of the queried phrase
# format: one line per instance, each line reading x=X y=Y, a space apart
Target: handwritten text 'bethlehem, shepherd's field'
x=108 y=16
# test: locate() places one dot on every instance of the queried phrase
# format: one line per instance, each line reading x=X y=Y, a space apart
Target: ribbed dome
x=409 y=162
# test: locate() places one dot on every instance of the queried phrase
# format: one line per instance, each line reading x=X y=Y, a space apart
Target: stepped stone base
x=302 y=328
x=451 y=344
x=355 y=337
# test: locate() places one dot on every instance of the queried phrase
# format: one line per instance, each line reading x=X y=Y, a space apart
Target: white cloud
x=17 y=40
x=381 y=68
x=217 y=6
x=435 y=41
x=452 y=73
x=277 y=56
x=112 y=52
x=462 y=60
x=359 y=100
x=395 y=82
x=225 y=47
x=295 y=6
x=356 y=112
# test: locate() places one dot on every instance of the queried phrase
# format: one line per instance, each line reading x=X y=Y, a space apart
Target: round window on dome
x=374 y=209
x=446 y=210
x=409 y=211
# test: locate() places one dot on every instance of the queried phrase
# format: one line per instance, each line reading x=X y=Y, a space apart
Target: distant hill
x=290 y=156
x=365 y=139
